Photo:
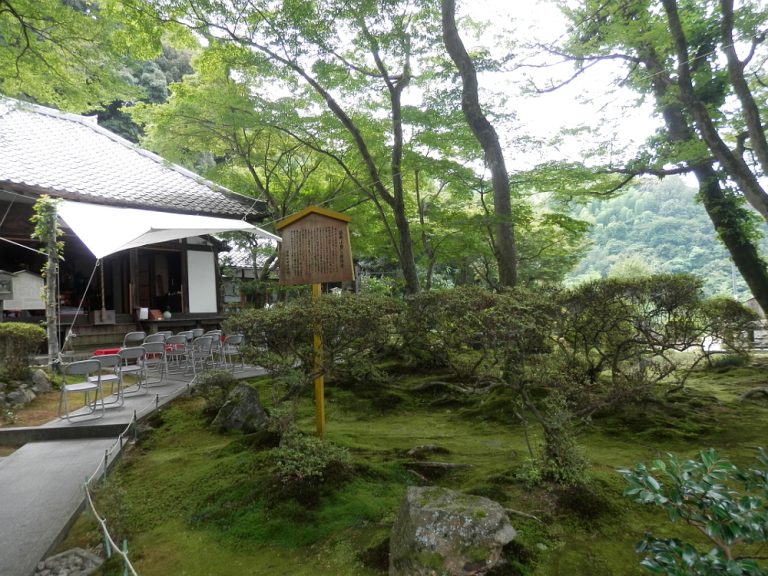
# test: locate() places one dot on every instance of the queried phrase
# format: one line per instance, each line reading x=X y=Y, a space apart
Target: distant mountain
x=657 y=227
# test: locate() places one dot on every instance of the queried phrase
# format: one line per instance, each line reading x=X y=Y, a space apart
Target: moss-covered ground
x=191 y=501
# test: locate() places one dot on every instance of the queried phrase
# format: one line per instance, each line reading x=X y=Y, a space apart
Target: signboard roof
x=288 y=220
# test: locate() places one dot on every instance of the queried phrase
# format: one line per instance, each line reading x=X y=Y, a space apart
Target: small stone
x=423 y=451
x=40 y=382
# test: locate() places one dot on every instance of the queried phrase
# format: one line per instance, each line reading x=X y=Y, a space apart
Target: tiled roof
x=65 y=155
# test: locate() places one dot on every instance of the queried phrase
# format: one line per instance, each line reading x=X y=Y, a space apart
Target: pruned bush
x=475 y=333
x=730 y=322
x=304 y=464
x=357 y=331
x=629 y=329
x=629 y=332
x=18 y=341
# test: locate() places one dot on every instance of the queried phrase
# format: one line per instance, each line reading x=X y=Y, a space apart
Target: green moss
x=431 y=560
x=196 y=502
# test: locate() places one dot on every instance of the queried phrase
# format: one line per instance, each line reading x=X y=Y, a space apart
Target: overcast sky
x=589 y=101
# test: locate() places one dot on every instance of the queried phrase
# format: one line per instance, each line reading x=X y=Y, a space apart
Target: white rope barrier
x=101 y=472
x=102 y=469
x=114 y=546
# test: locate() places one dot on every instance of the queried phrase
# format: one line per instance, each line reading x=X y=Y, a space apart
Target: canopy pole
x=69 y=333
x=103 y=298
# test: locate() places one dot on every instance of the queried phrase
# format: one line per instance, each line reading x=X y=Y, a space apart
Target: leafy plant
x=305 y=463
x=476 y=333
x=357 y=329
x=18 y=341
x=727 y=505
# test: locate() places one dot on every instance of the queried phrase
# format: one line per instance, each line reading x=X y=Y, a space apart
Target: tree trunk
x=723 y=210
x=504 y=245
x=51 y=295
x=750 y=111
x=732 y=163
x=393 y=199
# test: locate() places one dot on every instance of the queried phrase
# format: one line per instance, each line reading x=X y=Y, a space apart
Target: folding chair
x=86 y=369
x=216 y=337
x=111 y=364
x=197 y=332
x=201 y=354
x=187 y=334
x=230 y=349
x=133 y=339
x=155 y=366
x=133 y=364
x=177 y=354
x=157 y=337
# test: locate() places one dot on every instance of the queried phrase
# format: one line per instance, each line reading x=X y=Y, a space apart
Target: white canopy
x=108 y=229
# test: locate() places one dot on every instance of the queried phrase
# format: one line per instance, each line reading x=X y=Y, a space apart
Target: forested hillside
x=657 y=226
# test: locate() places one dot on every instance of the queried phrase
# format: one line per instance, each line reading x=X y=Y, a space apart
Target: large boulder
x=443 y=532
x=242 y=411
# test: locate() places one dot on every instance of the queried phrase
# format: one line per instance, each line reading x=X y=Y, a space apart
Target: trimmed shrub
x=475 y=333
x=357 y=330
x=305 y=464
x=18 y=341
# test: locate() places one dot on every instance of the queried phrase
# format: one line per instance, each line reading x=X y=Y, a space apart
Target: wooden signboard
x=315 y=247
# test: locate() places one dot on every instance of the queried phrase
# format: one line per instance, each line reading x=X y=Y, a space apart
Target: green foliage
x=656 y=227
x=377 y=285
x=631 y=328
x=304 y=463
x=47 y=228
x=476 y=333
x=357 y=330
x=72 y=54
x=730 y=322
x=18 y=341
x=560 y=458
x=726 y=504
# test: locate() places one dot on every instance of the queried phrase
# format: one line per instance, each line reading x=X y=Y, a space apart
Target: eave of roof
x=46 y=151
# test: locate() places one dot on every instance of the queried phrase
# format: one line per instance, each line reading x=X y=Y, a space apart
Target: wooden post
x=318 y=369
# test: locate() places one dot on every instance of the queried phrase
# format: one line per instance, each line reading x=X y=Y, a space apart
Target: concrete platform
x=41 y=483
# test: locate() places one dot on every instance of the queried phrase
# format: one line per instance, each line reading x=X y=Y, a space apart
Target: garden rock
x=423 y=451
x=755 y=394
x=440 y=531
x=74 y=562
x=242 y=411
x=40 y=382
x=20 y=396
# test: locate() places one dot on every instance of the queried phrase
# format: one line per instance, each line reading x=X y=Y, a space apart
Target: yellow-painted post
x=318 y=368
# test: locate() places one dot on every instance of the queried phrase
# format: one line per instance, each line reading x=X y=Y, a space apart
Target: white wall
x=202 y=281
x=27 y=292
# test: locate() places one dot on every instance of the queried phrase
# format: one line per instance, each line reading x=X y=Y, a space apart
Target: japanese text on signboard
x=315 y=249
